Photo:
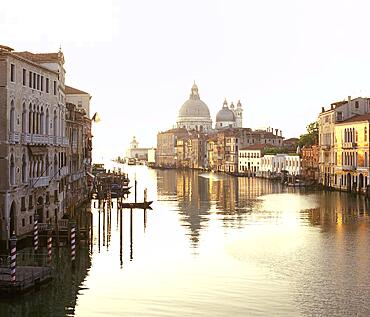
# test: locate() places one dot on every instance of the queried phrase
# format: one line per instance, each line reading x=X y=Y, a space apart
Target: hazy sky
x=283 y=59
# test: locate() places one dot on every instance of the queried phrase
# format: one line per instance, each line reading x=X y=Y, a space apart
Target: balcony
x=57 y=140
x=39 y=139
x=65 y=142
x=349 y=145
x=39 y=182
x=14 y=137
x=26 y=138
x=348 y=167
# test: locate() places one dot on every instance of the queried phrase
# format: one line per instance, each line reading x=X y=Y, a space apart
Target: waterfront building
x=272 y=165
x=351 y=150
x=292 y=165
x=136 y=152
x=33 y=141
x=338 y=112
x=204 y=147
x=79 y=98
x=310 y=163
x=78 y=157
x=194 y=113
x=249 y=159
x=166 y=155
x=275 y=165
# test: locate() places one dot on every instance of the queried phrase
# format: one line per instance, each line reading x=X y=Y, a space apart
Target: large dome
x=225 y=115
x=194 y=108
x=194 y=113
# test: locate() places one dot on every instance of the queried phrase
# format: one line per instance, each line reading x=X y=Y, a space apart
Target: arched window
x=34 y=120
x=24 y=169
x=30 y=119
x=37 y=120
x=55 y=123
x=47 y=166
x=12 y=117
x=12 y=170
x=24 y=119
x=42 y=121
x=55 y=165
x=47 y=122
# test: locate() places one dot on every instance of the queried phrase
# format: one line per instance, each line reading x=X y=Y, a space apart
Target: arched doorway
x=360 y=182
x=12 y=219
x=349 y=181
x=40 y=208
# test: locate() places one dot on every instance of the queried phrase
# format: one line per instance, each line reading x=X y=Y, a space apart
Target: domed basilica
x=194 y=114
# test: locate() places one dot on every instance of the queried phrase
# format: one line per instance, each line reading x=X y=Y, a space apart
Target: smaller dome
x=225 y=115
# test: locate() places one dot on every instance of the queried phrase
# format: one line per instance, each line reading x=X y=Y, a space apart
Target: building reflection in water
x=202 y=195
x=59 y=297
x=338 y=208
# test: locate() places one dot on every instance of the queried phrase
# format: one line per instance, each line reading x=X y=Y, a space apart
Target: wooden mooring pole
x=35 y=232
x=13 y=258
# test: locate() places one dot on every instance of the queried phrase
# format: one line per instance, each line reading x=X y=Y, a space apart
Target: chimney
x=276 y=131
x=281 y=133
x=322 y=109
x=349 y=98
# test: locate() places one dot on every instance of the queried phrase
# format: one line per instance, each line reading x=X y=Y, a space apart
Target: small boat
x=142 y=205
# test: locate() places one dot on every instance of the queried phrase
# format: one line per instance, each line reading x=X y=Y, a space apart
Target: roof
x=39 y=57
x=74 y=91
x=256 y=147
x=362 y=117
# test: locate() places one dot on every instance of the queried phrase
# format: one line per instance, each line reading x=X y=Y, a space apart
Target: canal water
x=215 y=245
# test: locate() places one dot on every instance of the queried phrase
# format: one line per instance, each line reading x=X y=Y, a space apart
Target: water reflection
x=200 y=195
x=60 y=296
x=216 y=245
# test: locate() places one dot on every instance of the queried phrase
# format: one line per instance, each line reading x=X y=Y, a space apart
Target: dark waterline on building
x=215 y=245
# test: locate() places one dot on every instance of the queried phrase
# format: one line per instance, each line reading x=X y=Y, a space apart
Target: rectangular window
x=12 y=73
x=30 y=202
x=23 y=203
x=30 y=79
x=34 y=81
x=47 y=85
x=38 y=82
x=42 y=83
x=24 y=77
x=30 y=220
x=55 y=87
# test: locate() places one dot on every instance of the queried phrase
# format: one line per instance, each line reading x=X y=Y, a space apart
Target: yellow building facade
x=351 y=149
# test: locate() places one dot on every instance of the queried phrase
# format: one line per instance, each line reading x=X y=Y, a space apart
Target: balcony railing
x=349 y=145
x=14 y=137
x=39 y=139
x=39 y=182
x=348 y=167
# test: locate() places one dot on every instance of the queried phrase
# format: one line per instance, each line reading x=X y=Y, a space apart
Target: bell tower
x=239 y=115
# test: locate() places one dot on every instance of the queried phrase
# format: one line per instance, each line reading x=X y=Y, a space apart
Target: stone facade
x=310 y=163
x=327 y=119
x=351 y=150
x=166 y=155
x=32 y=139
x=250 y=160
x=79 y=98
